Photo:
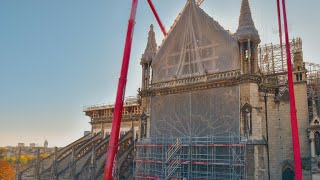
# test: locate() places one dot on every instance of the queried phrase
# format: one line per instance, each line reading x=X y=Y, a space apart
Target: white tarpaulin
x=196 y=45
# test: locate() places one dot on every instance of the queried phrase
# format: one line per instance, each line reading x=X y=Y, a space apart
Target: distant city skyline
x=58 y=56
x=29 y=144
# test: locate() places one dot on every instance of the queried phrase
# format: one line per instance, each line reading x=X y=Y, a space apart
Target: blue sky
x=57 y=56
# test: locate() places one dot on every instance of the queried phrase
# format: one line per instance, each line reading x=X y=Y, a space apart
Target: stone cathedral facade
x=212 y=105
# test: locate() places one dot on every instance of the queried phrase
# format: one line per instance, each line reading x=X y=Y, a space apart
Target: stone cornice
x=225 y=79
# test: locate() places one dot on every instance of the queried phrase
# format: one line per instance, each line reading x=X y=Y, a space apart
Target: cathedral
x=212 y=105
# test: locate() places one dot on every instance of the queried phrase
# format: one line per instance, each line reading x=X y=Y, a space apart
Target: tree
x=3 y=151
x=7 y=171
x=43 y=156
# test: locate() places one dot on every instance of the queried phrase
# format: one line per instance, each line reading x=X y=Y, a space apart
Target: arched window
x=317 y=143
x=288 y=174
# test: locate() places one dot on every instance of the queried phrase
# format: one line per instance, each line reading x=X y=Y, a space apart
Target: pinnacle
x=246 y=28
x=245 y=15
x=151 y=48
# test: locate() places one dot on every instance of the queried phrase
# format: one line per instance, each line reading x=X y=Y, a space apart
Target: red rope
x=157 y=17
x=293 y=111
x=114 y=138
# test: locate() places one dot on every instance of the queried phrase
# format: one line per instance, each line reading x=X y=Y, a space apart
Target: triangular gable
x=196 y=45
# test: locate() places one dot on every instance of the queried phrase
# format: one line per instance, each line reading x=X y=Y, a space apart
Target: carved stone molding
x=226 y=79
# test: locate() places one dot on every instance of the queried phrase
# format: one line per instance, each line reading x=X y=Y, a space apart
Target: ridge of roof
x=182 y=12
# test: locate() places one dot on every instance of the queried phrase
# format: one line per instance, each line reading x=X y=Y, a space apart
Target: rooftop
x=129 y=101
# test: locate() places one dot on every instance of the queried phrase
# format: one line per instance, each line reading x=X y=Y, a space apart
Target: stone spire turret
x=147 y=58
x=151 y=48
x=246 y=29
x=249 y=40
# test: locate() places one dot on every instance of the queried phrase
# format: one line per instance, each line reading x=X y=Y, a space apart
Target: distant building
x=45 y=145
x=32 y=145
x=86 y=133
x=21 y=145
x=10 y=153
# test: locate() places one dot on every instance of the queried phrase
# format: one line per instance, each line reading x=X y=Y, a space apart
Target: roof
x=196 y=44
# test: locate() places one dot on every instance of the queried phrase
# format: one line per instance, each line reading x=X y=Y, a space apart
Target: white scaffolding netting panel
x=212 y=112
x=196 y=45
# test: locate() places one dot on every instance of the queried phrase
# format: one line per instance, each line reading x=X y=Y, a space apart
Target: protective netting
x=196 y=45
x=213 y=112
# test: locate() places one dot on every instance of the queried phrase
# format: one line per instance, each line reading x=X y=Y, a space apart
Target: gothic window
x=317 y=143
x=288 y=174
x=248 y=53
x=247 y=120
x=299 y=76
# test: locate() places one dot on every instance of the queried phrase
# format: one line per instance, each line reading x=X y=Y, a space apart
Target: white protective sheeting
x=213 y=112
x=196 y=45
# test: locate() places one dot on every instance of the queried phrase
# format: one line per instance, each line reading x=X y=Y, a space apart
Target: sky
x=57 y=56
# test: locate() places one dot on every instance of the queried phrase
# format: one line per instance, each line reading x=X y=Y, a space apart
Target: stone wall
x=280 y=141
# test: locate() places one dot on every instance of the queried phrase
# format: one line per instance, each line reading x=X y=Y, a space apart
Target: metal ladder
x=173 y=159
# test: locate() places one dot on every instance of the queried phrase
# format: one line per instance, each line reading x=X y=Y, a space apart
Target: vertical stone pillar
x=256 y=162
x=102 y=129
x=256 y=57
x=241 y=58
x=73 y=165
x=312 y=144
x=92 y=173
x=54 y=164
x=143 y=77
x=249 y=56
x=37 y=166
x=148 y=127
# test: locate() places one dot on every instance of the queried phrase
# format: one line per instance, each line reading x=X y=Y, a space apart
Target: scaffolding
x=191 y=158
x=273 y=65
x=272 y=59
x=313 y=81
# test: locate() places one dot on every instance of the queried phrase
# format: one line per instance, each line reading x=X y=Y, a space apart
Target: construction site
x=212 y=105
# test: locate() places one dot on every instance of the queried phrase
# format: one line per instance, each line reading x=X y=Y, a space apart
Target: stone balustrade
x=196 y=79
